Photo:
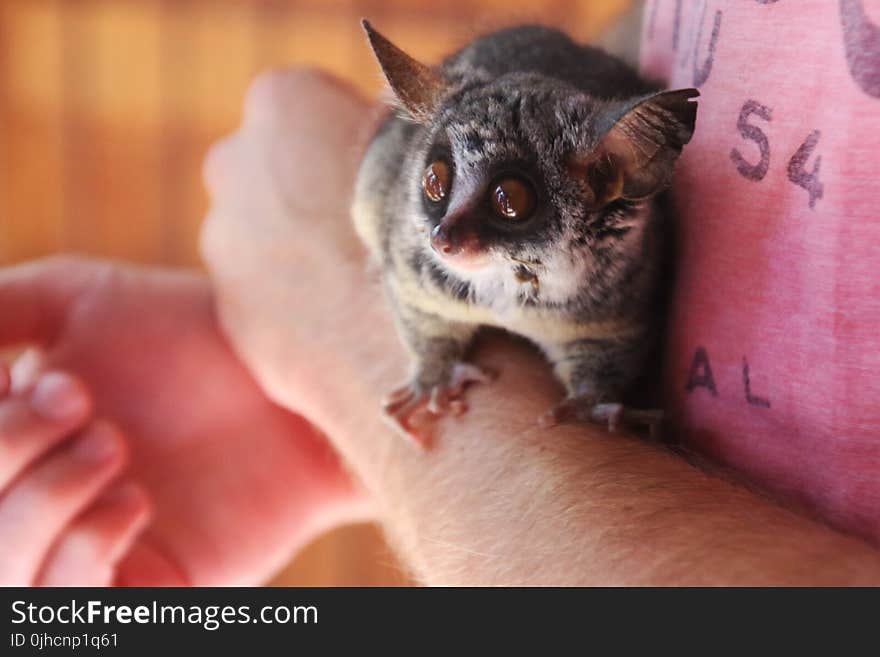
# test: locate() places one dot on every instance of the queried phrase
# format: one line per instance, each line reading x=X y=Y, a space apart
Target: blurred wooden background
x=108 y=106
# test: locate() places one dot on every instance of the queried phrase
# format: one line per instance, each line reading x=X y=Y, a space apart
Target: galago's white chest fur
x=497 y=300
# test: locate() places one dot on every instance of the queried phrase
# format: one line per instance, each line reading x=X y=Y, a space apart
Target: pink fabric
x=775 y=340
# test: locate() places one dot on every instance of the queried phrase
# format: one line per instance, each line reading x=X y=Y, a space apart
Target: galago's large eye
x=435 y=181
x=512 y=199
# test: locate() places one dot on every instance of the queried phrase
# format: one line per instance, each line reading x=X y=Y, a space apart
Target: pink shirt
x=775 y=339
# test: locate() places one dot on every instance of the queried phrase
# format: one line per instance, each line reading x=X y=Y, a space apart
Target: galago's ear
x=636 y=156
x=417 y=87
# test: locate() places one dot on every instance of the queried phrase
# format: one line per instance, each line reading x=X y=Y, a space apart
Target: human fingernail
x=58 y=396
x=96 y=445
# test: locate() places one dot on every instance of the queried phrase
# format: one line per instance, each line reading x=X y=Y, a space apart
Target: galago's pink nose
x=443 y=240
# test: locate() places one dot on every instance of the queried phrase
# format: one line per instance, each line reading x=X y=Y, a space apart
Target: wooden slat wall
x=108 y=106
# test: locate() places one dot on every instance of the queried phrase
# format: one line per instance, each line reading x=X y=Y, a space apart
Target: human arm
x=496 y=500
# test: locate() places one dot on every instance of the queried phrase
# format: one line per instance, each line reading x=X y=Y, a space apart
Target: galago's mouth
x=464 y=260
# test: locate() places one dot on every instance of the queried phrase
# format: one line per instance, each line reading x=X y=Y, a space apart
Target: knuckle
x=216 y=162
x=272 y=90
x=112 y=434
x=64 y=261
x=61 y=267
x=211 y=241
x=264 y=94
x=63 y=278
x=17 y=423
x=81 y=543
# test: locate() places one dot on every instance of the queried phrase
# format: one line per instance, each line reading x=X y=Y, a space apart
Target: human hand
x=290 y=276
x=66 y=517
x=236 y=483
